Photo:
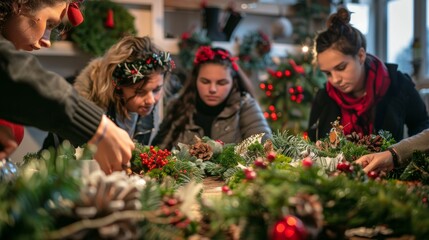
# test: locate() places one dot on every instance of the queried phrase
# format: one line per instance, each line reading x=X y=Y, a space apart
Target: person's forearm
x=32 y=96
x=406 y=147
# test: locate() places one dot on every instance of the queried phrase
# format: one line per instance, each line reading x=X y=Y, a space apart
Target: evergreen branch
x=151 y=216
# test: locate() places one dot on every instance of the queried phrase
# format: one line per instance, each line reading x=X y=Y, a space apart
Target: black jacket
x=33 y=96
x=402 y=105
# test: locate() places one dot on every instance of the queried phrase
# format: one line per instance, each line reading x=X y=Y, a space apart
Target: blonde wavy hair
x=95 y=81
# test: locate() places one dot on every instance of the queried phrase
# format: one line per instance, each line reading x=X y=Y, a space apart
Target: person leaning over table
x=127 y=83
x=398 y=155
x=367 y=94
x=31 y=95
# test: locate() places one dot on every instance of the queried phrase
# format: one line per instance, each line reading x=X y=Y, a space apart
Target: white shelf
x=60 y=48
x=69 y=49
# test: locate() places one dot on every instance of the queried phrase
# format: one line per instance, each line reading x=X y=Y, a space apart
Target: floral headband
x=133 y=72
x=206 y=53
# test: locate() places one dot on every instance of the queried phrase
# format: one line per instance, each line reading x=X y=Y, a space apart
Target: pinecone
x=102 y=196
x=268 y=146
x=372 y=143
x=201 y=150
x=354 y=137
x=308 y=208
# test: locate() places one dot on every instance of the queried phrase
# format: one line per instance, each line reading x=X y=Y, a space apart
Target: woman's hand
x=378 y=162
x=114 y=146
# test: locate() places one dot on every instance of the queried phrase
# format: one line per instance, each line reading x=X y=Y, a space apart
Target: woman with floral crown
x=127 y=83
x=215 y=102
x=43 y=99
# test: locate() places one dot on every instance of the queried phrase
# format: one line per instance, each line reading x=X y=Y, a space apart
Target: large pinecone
x=372 y=143
x=354 y=137
x=102 y=196
x=309 y=209
x=201 y=150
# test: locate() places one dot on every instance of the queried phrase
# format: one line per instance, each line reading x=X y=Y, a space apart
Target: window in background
x=400 y=33
x=360 y=19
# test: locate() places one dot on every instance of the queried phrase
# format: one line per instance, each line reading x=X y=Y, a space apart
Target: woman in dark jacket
x=215 y=102
x=365 y=93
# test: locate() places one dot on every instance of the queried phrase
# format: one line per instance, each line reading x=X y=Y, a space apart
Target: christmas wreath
x=254 y=51
x=188 y=45
x=105 y=23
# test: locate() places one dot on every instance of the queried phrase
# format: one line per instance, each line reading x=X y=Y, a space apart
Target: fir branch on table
x=28 y=201
x=291 y=145
x=417 y=169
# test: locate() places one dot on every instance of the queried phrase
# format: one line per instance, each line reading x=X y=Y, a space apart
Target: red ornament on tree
x=289 y=228
x=110 y=23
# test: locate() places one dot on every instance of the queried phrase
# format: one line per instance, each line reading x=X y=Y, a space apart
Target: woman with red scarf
x=367 y=94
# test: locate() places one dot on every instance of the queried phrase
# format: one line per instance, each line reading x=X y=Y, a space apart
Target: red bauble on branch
x=110 y=23
x=289 y=228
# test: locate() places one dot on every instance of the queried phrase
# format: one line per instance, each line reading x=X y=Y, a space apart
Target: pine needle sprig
x=290 y=145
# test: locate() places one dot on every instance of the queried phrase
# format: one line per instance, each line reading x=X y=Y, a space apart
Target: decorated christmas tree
x=289 y=92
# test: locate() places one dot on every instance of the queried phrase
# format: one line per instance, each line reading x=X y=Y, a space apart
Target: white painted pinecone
x=103 y=195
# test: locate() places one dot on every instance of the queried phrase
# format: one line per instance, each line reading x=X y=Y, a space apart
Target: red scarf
x=356 y=112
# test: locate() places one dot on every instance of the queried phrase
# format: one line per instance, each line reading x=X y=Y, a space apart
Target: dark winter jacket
x=33 y=96
x=401 y=106
x=240 y=119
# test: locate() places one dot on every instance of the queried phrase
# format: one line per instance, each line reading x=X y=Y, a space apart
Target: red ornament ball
x=289 y=228
x=307 y=162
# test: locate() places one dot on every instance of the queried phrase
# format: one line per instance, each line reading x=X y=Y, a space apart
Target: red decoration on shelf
x=289 y=228
x=110 y=23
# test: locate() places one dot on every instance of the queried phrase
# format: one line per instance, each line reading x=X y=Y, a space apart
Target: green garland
x=93 y=36
x=267 y=182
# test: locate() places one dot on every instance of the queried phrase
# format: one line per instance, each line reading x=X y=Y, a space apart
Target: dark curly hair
x=340 y=35
x=7 y=7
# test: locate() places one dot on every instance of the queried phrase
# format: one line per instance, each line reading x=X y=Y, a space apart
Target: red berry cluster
x=273 y=115
x=264 y=162
x=154 y=158
x=296 y=94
